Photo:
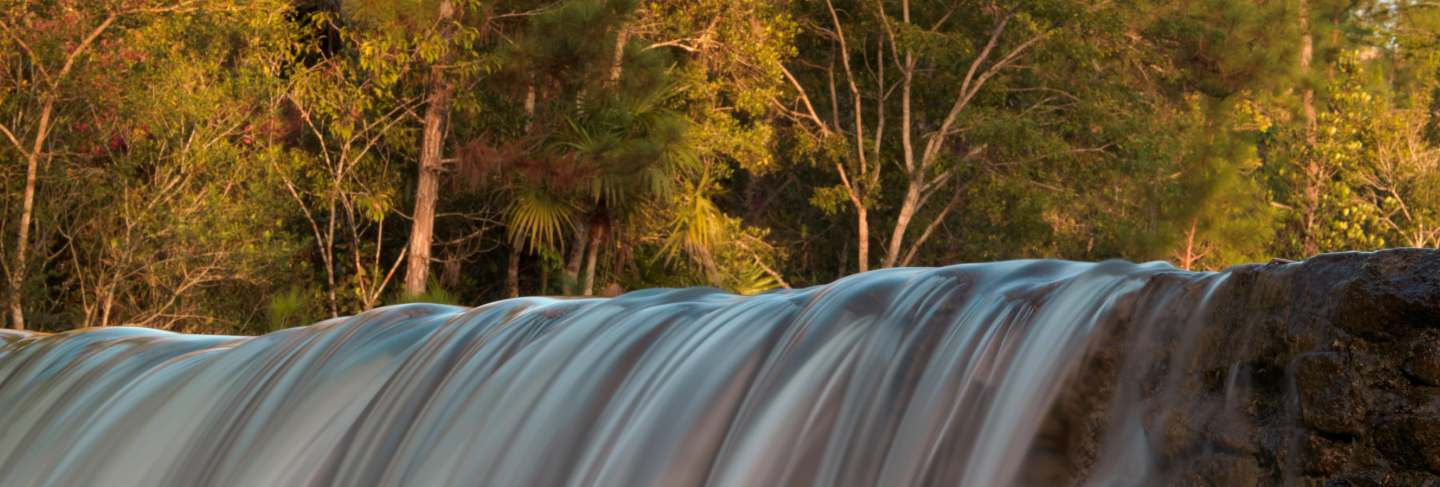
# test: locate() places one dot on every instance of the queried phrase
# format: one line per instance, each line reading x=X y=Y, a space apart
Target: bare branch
x=81 y=48
x=974 y=80
x=854 y=92
x=34 y=60
x=676 y=43
x=13 y=140
x=805 y=99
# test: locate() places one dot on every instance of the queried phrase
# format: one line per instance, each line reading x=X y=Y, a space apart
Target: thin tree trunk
x=27 y=211
x=902 y=222
x=529 y=105
x=919 y=242
x=862 y=239
x=1307 y=54
x=584 y=247
x=570 y=280
x=1310 y=213
x=109 y=306
x=544 y=278
x=329 y=252
x=513 y=275
x=512 y=272
x=911 y=202
x=597 y=232
x=1187 y=260
x=427 y=184
x=616 y=65
x=32 y=167
x=27 y=215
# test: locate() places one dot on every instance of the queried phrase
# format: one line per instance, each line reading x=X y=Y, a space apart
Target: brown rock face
x=1318 y=373
x=1324 y=456
x=1394 y=293
x=1413 y=441
x=1332 y=398
x=1424 y=362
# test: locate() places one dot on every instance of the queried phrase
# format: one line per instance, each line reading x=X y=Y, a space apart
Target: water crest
x=965 y=375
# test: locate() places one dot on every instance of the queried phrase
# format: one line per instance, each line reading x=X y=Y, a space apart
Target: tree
x=432 y=142
x=1218 y=62
x=141 y=151
x=50 y=44
x=1400 y=181
x=349 y=114
x=1337 y=178
x=917 y=83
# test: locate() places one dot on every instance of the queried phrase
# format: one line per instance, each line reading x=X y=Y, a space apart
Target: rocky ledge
x=1317 y=373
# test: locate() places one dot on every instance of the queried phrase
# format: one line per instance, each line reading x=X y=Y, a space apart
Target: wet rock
x=1331 y=396
x=1183 y=428
x=1368 y=478
x=1424 y=363
x=1232 y=433
x=1418 y=480
x=1413 y=441
x=1221 y=471
x=1318 y=373
x=1393 y=291
x=1323 y=456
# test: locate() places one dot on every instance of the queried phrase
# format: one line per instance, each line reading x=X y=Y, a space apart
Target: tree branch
x=930 y=228
x=805 y=99
x=974 y=80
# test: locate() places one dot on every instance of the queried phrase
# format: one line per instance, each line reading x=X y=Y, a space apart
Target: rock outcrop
x=1318 y=373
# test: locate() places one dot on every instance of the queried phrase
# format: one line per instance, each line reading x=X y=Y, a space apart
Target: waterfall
x=900 y=377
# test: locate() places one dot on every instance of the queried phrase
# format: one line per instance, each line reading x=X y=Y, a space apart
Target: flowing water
x=902 y=377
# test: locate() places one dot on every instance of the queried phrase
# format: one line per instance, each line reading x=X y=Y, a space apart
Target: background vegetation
x=240 y=166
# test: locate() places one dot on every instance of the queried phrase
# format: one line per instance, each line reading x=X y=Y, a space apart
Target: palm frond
x=537 y=219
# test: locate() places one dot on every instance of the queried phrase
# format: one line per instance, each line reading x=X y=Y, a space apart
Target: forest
x=240 y=166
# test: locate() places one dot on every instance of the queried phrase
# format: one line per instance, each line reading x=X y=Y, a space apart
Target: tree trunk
x=1187 y=259
x=587 y=236
x=902 y=222
x=32 y=167
x=862 y=239
x=512 y=273
x=327 y=253
x=1310 y=213
x=597 y=233
x=570 y=280
x=27 y=214
x=109 y=306
x=427 y=184
x=616 y=64
x=513 y=277
x=27 y=211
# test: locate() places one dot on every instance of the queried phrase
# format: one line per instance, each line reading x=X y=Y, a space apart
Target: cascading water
x=904 y=377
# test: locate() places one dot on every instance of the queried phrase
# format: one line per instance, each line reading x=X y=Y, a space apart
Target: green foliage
x=537 y=219
x=434 y=293
x=1370 y=168
x=293 y=307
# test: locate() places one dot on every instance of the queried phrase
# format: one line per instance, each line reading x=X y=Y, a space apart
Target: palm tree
x=603 y=151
